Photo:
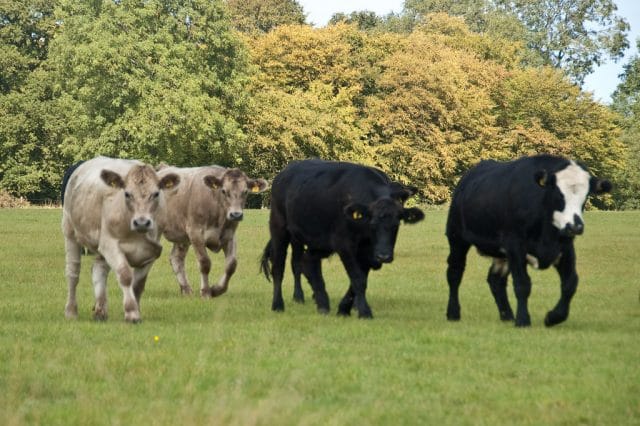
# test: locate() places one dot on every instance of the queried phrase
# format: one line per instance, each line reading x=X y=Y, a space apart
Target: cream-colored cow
x=204 y=211
x=113 y=207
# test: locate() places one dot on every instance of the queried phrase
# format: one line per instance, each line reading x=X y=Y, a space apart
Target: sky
x=602 y=82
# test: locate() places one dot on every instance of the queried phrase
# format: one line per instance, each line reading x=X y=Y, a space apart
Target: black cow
x=321 y=208
x=521 y=212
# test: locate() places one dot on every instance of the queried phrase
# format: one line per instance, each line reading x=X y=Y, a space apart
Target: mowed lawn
x=232 y=361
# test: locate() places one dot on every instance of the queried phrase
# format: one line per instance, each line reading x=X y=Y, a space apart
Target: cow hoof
x=99 y=315
x=523 y=323
x=506 y=316
x=453 y=317
x=344 y=313
x=553 y=318
x=365 y=315
x=71 y=313
x=298 y=299
x=323 y=311
x=135 y=321
x=277 y=307
x=186 y=291
x=205 y=293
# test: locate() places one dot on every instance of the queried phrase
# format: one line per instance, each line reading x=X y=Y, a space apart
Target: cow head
x=380 y=221
x=234 y=186
x=141 y=191
x=567 y=192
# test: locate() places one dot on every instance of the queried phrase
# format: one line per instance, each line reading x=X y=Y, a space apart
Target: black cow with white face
x=526 y=211
x=321 y=208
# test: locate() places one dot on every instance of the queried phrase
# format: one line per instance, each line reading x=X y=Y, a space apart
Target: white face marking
x=573 y=183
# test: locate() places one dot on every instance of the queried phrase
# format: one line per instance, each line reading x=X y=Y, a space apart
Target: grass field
x=232 y=361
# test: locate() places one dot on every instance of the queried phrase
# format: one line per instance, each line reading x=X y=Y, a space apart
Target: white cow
x=112 y=207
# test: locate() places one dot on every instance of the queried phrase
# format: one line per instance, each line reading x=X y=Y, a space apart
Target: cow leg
x=297 y=250
x=117 y=261
x=346 y=304
x=72 y=271
x=279 y=244
x=205 y=267
x=140 y=281
x=358 y=278
x=456 y=261
x=344 y=308
x=99 y=273
x=497 y=279
x=177 y=257
x=566 y=267
x=313 y=271
x=230 y=263
x=521 y=285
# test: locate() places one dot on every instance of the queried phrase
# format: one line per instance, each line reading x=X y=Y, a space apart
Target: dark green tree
x=261 y=16
x=626 y=101
x=157 y=80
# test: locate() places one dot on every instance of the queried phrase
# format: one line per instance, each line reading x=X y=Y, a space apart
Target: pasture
x=232 y=361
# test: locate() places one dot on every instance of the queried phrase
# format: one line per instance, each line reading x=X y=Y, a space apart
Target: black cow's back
x=310 y=196
x=495 y=198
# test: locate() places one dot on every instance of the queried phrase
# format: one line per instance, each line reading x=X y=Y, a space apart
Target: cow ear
x=599 y=186
x=112 y=179
x=412 y=215
x=356 y=212
x=402 y=192
x=169 y=181
x=212 y=182
x=257 y=185
x=543 y=178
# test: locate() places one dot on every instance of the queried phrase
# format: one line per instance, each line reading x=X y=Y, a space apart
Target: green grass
x=231 y=360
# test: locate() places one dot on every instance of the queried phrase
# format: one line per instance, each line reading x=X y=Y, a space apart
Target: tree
x=365 y=20
x=26 y=29
x=159 y=81
x=626 y=102
x=250 y=16
x=572 y=35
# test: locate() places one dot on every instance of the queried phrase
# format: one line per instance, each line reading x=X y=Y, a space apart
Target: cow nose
x=575 y=228
x=384 y=257
x=578 y=225
x=235 y=216
x=141 y=224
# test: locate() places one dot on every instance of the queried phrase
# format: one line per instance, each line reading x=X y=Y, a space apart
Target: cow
x=205 y=212
x=323 y=207
x=112 y=207
x=523 y=212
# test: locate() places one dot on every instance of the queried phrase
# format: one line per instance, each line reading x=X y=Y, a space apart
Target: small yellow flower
x=156 y=338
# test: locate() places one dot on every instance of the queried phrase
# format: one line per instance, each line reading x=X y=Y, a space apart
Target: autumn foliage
x=174 y=82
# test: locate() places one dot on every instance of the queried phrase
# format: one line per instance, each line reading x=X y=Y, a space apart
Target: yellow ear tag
x=357 y=215
x=169 y=184
x=255 y=188
x=542 y=181
x=114 y=184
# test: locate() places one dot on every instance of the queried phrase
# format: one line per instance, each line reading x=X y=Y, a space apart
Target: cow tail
x=66 y=177
x=265 y=262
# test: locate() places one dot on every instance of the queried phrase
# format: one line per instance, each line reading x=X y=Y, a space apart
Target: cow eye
x=127 y=195
x=224 y=191
x=155 y=195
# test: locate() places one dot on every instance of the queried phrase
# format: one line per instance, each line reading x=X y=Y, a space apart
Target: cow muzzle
x=236 y=216
x=141 y=224
x=384 y=257
x=575 y=228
